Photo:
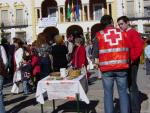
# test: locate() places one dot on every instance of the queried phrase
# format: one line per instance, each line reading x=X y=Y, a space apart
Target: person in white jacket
x=4 y=58
x=18 y=59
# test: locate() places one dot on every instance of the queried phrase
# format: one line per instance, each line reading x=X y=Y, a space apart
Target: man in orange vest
x=136 y=50
x=113 y=55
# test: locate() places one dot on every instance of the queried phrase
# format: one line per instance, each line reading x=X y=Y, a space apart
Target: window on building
x=147 y=28
x=97 y=12
x=52 y=12
x=4 y=17
x=19 y=17
x=85 y=13
x=21 y=35
x=38 y=13
x=61 y=15
x=110 y=9
x=147 y=11
x=146 y=7
x=130 y=8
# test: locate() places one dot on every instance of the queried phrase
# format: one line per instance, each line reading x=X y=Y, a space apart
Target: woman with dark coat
x=59 y=52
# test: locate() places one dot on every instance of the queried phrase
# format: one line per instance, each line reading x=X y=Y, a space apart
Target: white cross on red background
x=112 y=37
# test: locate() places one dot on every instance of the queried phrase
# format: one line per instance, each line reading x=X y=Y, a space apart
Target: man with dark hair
x=124 y=18
x=113 y=57
x=135 y=53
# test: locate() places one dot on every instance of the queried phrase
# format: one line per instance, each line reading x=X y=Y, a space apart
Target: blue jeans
x=108 y=79
x=25 y=86
x=2 y=108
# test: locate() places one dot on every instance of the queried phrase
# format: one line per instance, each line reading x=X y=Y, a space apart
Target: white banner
x=45 y=22
x=62 y=90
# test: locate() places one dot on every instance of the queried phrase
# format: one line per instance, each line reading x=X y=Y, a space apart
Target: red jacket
x=136 y=44
x=79 y=57
x=35 y=65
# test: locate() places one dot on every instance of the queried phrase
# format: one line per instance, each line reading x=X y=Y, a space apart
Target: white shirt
x=4 y=56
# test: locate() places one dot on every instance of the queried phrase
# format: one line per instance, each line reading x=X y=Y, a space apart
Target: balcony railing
x=147 y=14
x=17 y=24
x=143 y=16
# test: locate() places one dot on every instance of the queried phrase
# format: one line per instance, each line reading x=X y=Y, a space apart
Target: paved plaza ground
x=27 y=104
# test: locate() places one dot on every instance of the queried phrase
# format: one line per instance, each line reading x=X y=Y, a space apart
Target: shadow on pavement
x=92 y=80
x=143 y=97
x=116 y=104
x=21 y=105
x=71 y=106
x=5 y=95
x=15 y=100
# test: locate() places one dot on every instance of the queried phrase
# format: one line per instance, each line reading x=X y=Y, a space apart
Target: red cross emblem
x=112 y=37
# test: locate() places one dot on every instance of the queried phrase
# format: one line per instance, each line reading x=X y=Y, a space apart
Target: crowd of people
x=114 y=51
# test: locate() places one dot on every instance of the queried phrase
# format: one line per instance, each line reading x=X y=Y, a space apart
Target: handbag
x=17 y=76
x=15 y=88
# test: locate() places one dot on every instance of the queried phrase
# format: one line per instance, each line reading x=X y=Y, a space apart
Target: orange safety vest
x=113 y=51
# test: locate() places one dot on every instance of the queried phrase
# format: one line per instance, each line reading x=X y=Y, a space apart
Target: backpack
x=3 y=71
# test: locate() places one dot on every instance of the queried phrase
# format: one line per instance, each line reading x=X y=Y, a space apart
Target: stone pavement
x=27 y=104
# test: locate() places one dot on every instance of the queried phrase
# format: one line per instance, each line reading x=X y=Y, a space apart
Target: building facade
x=138 y=12
x=16 y=19
x=69 y=16
x=27 y=18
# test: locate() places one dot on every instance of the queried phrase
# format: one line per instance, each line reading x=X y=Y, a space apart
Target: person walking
x=147 y=57
x=3 y=63
x=17 y=60
x=136 y=49
x=113 y=53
